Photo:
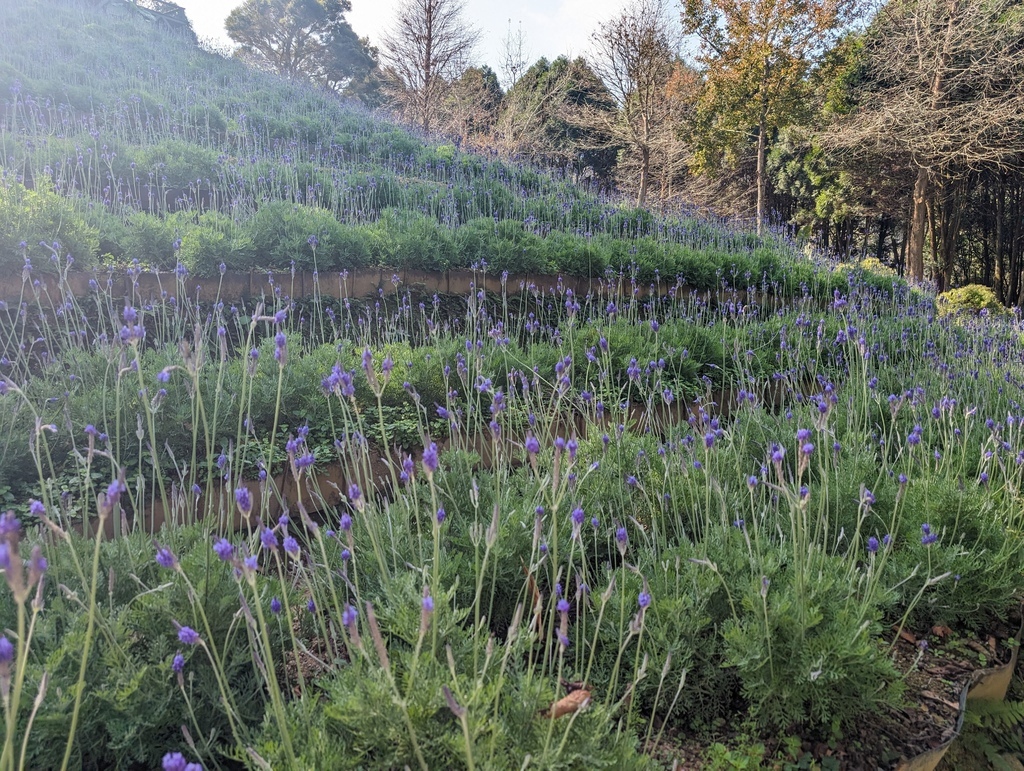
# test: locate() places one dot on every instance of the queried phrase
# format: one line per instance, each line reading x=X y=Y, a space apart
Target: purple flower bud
x=349 y=616
x=927 y=536
x=243 y=499
x=872 y=545
x=188 y=636
x=291 y=546
x=644 y=600
x=165 y=558
x=268 y=539
x=275 y=606
x=6 y=650
x=177 y=663
x=223 y=549
x=430 y=460
x=174 y=761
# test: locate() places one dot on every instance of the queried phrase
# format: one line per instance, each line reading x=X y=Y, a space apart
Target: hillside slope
x=124 y=142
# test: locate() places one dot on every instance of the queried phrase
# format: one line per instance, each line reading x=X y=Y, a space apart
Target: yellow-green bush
x=973 y=299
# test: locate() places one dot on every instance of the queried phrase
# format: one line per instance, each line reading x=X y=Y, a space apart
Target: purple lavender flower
x=174 y=761
x=188 y=636
x=430 y=460
x=563 y=606
x=165 y=557
x=644 y=600
x=177 y=663
x=223 y=549
x=268 y=538
x=441 y=515
x=114 y=491
x=6 y=650
x=275 y=606
x=244 y=500
x=872 y=545
x=291 y=546
x=532 y=445
x=927 y=536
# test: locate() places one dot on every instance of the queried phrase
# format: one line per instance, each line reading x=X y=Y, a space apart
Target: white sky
x=550 y=27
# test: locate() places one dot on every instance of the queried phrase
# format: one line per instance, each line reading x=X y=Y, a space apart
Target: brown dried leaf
x=567 y=705
x=908 y=636
x=577 y=685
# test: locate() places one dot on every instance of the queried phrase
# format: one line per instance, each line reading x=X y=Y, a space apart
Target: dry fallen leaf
x=577 y=685
x=941 y=631
x=908 y=636
x=574 y=702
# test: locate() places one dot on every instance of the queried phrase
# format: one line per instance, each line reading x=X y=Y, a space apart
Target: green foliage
x=132 y=706
x=32 y=221
x=970 y=299
x=281 y=233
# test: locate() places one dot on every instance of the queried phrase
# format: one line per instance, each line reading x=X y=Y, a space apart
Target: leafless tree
x=471 y=106
x=635 y=53
x=427 y=47
x=514 y=55
x=944 y=88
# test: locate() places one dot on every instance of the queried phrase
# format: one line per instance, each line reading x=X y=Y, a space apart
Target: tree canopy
x=302 y=39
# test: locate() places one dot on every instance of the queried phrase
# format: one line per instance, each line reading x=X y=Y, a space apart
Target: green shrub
x=31 y=221
x=971 y=299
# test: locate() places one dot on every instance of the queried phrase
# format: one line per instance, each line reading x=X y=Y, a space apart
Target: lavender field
x=532 y=527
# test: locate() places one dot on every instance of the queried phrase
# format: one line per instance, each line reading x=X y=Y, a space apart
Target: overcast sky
x=550 y=27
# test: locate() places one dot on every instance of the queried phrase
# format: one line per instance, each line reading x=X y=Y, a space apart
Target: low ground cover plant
x=412 y=530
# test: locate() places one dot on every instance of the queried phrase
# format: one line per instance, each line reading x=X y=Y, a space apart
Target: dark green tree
x=302 y=39
x=543 y=118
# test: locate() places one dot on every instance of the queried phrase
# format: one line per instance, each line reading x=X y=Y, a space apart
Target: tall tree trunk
x=645 y=175
x=948 y=222
x=762 y=142
x=915 y=250
x=997 y=247
x=918 y=223
x=883 y=228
